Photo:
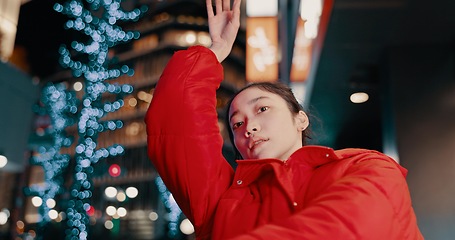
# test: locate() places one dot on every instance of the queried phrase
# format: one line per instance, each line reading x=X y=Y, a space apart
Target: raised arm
x=184 y=141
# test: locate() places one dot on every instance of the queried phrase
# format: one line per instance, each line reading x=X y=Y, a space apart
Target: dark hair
x=277 y=88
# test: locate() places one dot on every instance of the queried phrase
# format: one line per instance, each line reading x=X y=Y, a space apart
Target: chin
x=264 y=156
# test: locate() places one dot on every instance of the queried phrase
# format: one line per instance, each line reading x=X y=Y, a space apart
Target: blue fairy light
x=171 y=206
x=58 y=103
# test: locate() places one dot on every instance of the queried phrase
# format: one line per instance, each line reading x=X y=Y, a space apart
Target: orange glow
x=262 y=49
x=301 y=61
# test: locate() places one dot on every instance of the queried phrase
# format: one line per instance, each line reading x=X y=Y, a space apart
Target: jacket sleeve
x=370 y=201
x=183 y=136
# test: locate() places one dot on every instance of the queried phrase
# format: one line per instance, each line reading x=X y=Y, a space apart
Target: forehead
x=250 y=96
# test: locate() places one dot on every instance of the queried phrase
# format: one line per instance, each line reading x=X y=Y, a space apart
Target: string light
x=103 y=34
x=60 y=105
x=171 y=206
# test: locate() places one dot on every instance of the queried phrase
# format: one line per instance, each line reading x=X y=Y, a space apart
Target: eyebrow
x=254 y=100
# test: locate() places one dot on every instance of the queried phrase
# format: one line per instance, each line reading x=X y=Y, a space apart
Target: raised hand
x=223 y=26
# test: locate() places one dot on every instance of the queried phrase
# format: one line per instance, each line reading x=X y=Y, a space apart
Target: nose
x=250 y=131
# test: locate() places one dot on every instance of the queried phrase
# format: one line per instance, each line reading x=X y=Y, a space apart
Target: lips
x=254 y=142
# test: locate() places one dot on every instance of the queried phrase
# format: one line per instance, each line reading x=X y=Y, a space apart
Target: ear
x=302 y=121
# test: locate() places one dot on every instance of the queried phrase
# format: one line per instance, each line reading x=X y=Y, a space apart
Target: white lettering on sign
x=301 y=58
x=267 y=52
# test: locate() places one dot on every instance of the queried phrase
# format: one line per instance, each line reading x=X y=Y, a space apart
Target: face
x=263 y=126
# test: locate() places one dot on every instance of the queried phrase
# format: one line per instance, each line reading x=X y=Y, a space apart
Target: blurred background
x=377 y=74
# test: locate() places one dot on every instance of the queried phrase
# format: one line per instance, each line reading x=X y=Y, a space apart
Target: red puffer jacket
x=318 y=193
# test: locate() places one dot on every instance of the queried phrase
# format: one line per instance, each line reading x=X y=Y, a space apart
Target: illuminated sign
x=262 y=49
x=301 y=60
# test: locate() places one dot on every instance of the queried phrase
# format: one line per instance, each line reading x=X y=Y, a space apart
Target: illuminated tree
x=98 y=21
x=60 y=106
x=88 y=59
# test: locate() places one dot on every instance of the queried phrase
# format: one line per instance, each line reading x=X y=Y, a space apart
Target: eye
x=263 y=109
x=236 y=125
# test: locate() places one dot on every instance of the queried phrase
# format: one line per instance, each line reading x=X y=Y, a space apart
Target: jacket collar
x=305 y=159
x=314 y=156
x=310 y=155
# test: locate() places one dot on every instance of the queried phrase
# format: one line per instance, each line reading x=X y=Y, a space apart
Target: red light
x=91 y=211
x=115 y=170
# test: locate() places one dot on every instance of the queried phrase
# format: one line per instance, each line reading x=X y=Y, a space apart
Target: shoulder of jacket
x=354 y=155
x=320 y=155
x=360 y=152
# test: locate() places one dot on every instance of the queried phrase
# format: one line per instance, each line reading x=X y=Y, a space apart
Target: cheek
x=239 y=142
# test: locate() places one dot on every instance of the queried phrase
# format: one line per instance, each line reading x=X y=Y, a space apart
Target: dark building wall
x=422 y=84
x=17 y=96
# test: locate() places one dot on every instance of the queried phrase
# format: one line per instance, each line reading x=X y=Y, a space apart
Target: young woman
x=281 y=189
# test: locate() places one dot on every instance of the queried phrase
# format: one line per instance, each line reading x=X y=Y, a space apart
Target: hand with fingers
x=223 y=26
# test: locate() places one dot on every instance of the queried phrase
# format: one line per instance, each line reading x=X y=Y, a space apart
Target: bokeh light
x=20 y=224
x=132 y=192
x=53 y=214
x=108 y=224
x=110 y=210
x=121 y=196
x=110 y=192
x=3 y=218
x=115 y=170
x=77 y=86
x=186 y=227
x=121 y=211
x=3 y=161
x=153 y=216
x=50 y=203
x=359 y=97
x=37 y=201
